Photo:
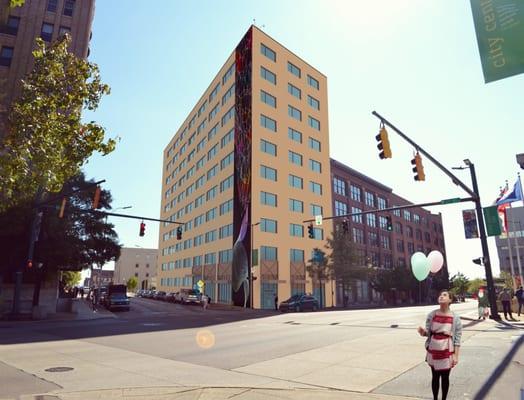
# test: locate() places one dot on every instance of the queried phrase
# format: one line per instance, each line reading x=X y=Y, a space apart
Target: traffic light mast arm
x=62 y=195
x=454 y=179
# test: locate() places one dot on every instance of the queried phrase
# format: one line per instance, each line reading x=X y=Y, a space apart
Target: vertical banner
x=499 y=25
x=491 y=216
x=470 y=224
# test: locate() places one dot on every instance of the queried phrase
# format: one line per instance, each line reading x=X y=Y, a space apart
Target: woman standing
x=444 y=331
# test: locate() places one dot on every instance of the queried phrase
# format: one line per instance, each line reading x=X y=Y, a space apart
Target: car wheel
x=297 y=308
x=315 y=308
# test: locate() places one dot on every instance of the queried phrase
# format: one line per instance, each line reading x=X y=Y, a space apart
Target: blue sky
x=415 y=62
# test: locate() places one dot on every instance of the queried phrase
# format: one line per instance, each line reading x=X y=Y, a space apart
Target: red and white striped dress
x=441 y=349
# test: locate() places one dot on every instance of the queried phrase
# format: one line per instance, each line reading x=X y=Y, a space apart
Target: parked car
x=160 y=295
x=116 y=298
x=299 y=302
x=150 y=294
x=139 y=293
x=170 y=297
x=189 y=296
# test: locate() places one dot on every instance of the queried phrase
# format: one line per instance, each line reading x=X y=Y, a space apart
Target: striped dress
x=440 y=349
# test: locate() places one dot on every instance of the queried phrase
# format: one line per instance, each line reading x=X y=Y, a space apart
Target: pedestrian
x=94 y=299
x=505 y=299
x=204 y=301
x=519 y=294
x=346 y=300
x=444 y=332
x=82 y=293
x=483 y=304
x=276 y=302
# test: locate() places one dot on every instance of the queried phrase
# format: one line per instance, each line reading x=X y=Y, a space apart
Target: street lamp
x=251 y=291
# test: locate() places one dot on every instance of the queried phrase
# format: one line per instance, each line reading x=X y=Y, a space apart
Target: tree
x=71 y=278
x=46 y=143
x=475 y=284
x=318 y=269
x=343 y=260
x=459 y=284
x=132 y=283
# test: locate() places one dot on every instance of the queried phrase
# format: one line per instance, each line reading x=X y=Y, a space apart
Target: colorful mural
x=242 y=191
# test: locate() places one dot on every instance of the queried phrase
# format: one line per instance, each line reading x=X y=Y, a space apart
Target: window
x=316 y=209
x=200 y=163
x=268 y=52
x=370 y=199
x=407 y=216
x=294 y=113
x=270 y=100
x=225 y=256
x=294 y=135
x=200 y=200
x=358 y=236
x=294 y=91
x=201 y=145
x=213 y=112
x=202 y=108
x=315 y=166
x=212 y=132
x=294 y=158
x=293 y=69
x=314 y=103
x=268 y=253
x=318 y=233
x=356 y=218
x=226 y=207
x=383 y=223
x=228 y=115
x=226 y=160
x=6 y=55
x=315 y=187
x=212 y=152
x=295 y=181
x=268 y=147
x=69 y=7
x=226 y=184
x=356 y=193
x=210 y=236
x=409 y=231
x=228 y=94
x=47 y=32
x=411 y=248
x=229 y=73
x=268 y=173
x=373 y=239
x=210 y=258
x=340 y=208
x=268 y=75
x=385 y=243
x=268 y=199
x=400 y=245
x=268 y=225
x=371 y=220
x=314 y=123
x=381 y=203
x=296 y=230
x=418 y=234
x=201 y=127
x=52 y=5
x=296 y=206
x=312 y=82
x=427 y=237
x=314 y=144
x=225 y=231
x=396 y=213
x=214 y=92
x=268 y=123
x=228 y=137
x=191 y=123
x=11 y=27
x=296 y=255
x=339 y=186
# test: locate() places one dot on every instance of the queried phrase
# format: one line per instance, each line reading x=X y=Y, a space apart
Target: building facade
x=510 y=247
x=244 y=171
x=414 y=229
x=138 y=262
x=48 y=19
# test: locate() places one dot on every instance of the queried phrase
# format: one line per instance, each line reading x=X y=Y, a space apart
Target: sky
x=416 y=62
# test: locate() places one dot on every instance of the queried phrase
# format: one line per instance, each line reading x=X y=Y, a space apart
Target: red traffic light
x=142 y=229
x=178 y=233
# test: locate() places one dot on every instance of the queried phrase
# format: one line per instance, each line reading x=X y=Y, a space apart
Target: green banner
x=491 y=216
x=500 y=34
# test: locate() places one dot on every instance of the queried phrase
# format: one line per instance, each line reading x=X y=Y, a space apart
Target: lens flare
x=205 y=339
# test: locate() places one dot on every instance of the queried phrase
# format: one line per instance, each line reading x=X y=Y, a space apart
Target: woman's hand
x=455 y=360
x=421 y=331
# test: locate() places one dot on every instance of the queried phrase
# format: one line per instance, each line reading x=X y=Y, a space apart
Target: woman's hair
x=451 y=295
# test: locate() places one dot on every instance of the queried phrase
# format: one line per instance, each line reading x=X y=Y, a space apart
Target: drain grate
x=59 y=369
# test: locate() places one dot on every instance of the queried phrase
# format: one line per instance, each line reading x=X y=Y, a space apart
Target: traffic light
x=478 y=261
x=383 y=143
x=418 y=168
x=179 y=233
x=62 y=208
x=142 y=229
x=96 y=199
x=310 y=232
x=389 y=224
x=345 y=226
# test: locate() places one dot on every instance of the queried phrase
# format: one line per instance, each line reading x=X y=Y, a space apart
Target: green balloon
x=420 y=266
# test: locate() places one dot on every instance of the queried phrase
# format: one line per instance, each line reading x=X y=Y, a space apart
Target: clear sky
x=416 y=62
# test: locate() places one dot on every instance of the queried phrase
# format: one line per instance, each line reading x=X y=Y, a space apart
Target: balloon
x=420 y=265
x=436 y=260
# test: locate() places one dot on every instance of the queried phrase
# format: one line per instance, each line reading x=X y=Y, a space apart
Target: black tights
x=435 y=383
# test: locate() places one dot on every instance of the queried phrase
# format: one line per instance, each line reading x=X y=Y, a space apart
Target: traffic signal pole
x=478 y=207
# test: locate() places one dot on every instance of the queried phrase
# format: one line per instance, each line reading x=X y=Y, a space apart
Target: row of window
x=293 y=180
x=271 y=100
x=69 y=7
x=271 y=124
x=293 y=69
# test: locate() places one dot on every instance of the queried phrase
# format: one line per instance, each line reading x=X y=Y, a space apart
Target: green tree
x=459 y=284
x=132 y=283
x=71 y=278
x=46 y=143
x=475 y=284
x=319 y=270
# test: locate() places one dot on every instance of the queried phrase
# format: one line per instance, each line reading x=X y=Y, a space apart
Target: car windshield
x=193 y=292
x=295 y=297
x=118 y=296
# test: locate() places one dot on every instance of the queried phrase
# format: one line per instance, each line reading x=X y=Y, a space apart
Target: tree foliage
x=46 y=143
x=475 y=284
x=318 y=267
x=71 y=278
x=132 y=283
x=459 y=284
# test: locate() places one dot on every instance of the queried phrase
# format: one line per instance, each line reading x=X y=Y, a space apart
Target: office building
x=138 y=262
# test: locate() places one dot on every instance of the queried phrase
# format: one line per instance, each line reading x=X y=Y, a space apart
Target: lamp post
x=251 y=290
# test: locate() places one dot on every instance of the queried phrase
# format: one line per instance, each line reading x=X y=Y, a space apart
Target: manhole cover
x=59 y=369
x=394 y=326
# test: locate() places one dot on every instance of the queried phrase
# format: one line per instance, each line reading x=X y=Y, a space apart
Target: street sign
x=471 y=230
x=491 y=216
x=318 y=220
x=200 y=283
x=450 y=201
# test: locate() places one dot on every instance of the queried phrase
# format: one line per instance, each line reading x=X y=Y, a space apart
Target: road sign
x=471 y=230
x=491 y=216
x=200 y=283
x=318 y=220
x=450 y=201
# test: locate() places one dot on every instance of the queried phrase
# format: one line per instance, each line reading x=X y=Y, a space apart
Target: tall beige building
x=248 y=165
x=138 y=262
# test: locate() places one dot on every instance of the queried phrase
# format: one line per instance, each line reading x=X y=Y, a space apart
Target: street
x=156 y=345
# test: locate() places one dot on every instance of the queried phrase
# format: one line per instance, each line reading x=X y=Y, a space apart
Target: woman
x=483 y=304
x=444 y=331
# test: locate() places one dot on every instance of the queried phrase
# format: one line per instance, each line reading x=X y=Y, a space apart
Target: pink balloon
x=436 y=261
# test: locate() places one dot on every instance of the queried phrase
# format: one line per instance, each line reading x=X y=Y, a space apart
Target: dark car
x=299 y=302
x=160 y=295
x=189 y=296
x=117 y=301
x=170 y=297
x=150 y=294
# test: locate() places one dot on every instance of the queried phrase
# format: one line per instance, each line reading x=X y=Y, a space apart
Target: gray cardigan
x=456 y=328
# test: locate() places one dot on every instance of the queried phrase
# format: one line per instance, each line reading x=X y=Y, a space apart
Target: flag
x=511 y=196
x=502 y=209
